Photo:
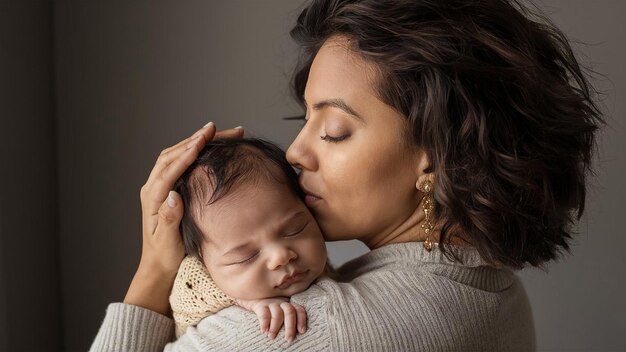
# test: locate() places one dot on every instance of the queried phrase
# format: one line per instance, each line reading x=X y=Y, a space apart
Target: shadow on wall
x=30 y=309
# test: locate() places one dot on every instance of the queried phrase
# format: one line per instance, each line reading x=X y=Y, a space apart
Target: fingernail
x=208 y=124
x=301 y=329
x=171 y=202
x=238 y=127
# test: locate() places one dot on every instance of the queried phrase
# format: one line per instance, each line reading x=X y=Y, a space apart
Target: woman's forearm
x=150 y=289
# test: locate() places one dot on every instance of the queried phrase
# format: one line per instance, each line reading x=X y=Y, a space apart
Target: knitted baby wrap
x=195 y=295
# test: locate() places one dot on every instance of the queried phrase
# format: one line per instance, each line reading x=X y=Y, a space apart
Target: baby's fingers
x=301 y=317
x=276 y=321
x=264 y=315
x=290 y=320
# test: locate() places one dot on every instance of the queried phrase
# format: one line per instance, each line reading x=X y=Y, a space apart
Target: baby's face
x=261 y=241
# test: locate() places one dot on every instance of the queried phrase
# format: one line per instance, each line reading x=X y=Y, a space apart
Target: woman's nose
x=300 y=152
x=280 y=256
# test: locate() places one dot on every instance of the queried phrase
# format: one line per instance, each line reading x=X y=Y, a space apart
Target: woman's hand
x=162 y=211
x=272 y=312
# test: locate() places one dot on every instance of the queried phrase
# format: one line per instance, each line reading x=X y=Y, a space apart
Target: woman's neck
x=406 y=231
x=410 y=230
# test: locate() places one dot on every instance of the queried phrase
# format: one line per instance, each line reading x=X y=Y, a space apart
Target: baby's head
x=245 y=219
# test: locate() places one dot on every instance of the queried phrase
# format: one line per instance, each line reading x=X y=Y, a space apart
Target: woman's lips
x=290 y=280
x=310 y=200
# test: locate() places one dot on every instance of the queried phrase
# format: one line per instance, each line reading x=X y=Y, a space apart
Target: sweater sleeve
x=131 y=328
x=128 y=327
x=236 y=329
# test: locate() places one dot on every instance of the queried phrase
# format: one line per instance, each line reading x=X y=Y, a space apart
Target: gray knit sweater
x=395 y=298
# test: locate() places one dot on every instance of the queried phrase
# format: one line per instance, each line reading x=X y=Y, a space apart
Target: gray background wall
x=29 y=275
x=91 y=91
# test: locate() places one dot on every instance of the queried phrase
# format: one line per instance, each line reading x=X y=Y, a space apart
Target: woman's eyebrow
x=336 y=103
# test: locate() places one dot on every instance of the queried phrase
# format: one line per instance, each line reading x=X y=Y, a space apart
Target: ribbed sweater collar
x=414 y=251
x=472 y=269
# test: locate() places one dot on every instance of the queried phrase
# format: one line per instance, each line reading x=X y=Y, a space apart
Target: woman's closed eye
x=335 y=131
x=332 y=139
x=327 y=138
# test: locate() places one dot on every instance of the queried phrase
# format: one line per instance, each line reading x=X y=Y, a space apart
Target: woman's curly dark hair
x=495 y=96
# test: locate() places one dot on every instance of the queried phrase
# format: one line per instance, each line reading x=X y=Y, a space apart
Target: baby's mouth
x=289 y=280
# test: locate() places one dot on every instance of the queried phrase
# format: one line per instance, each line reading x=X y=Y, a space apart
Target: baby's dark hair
x=221 y=165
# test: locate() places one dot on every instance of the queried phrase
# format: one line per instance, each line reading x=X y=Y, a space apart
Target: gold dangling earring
x=426 y=187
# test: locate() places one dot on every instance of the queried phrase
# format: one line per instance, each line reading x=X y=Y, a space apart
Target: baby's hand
x=273 y=311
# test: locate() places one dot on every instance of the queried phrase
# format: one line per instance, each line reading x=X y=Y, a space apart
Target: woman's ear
x=422 y=170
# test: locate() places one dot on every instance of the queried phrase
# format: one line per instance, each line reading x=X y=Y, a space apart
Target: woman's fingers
x=157 y=187
x=200 y=137
x=177 y=167
x=170 y=154
x=164 y=182
x=165 y=247
x=289 y=313
x=236 y=132
x=170 y=165
x=170 y=215
x=160 y=258
x=158 y=191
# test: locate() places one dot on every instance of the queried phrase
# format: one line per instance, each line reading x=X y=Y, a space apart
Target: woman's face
x=358 y=172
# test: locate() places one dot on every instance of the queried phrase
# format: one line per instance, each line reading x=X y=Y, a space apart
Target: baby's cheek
x=225 y=280
x=244 y=284
x=316 y=249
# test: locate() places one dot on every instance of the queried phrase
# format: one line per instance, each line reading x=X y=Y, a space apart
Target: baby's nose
x=280 y=256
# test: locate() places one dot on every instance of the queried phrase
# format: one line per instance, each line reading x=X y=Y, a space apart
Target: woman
x=452 y=137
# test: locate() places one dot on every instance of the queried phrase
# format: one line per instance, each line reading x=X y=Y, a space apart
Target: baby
x=246 y=223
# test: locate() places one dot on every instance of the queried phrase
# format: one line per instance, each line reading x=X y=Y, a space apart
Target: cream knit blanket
x=195 y=295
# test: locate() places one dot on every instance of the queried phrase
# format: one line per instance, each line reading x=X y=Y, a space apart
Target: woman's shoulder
x=406 y=269
x=412 y=290
x=413 y=293
x=411 y=261
x=378 y=283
